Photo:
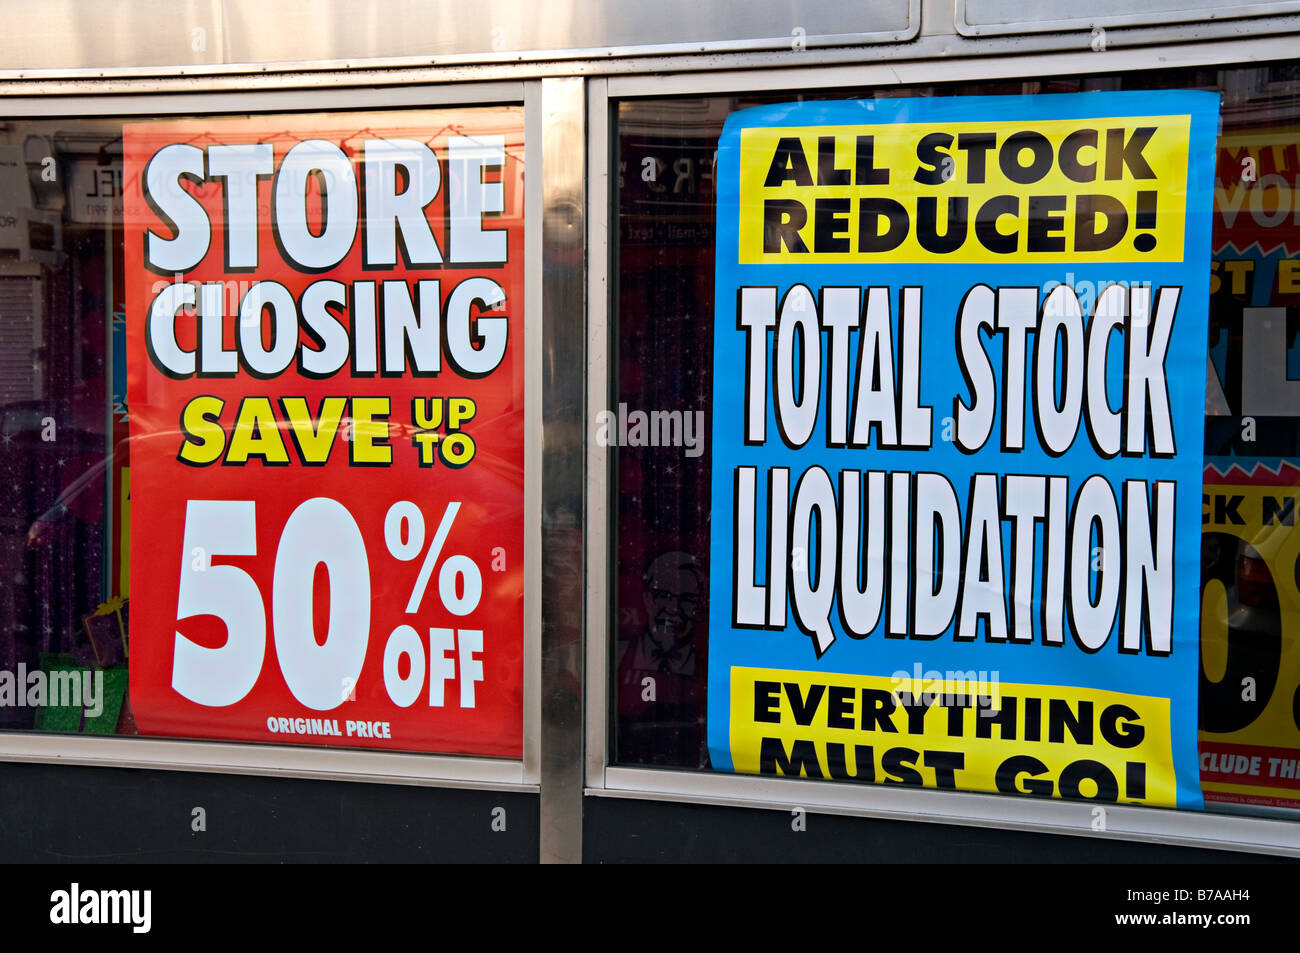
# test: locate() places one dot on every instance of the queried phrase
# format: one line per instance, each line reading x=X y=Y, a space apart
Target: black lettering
x=804 y=709
x=956 y=717
x=789 y=164
x=916 y=710
x=1098 y=773
x=1040 y=162
x=839 y=712
x=830 y=225
x=1225 y=509
x=1121 y=153
x=866 y=172
x=1033 y=719
x=802 y=760
x=927 y=224
x=899 y=764
x=782 y=219
x=870 y=211
x=1009 y=771
x=827 y=174
x=1135 y=776
x=1046 y=223
x=1120 y=726
x=945 y=765
x=986 y=224
x=864 y=763
x=877 y=706
x=1004 y=718
x=1086 y=210
x=766 y=699
x=928 y=151
x=976 y=145
x=1275 y=510
x=1073 y=169
x=1061 y=717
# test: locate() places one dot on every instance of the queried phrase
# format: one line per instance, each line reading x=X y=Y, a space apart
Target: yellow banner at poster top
x=962 y=731
x=1063 y=190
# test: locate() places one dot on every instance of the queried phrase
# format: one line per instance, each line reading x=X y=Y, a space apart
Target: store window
x=262 y=433
x=1202 y=710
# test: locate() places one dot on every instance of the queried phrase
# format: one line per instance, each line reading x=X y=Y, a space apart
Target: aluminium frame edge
x=1179 y=828
x=600 y=345
x=1224 y=53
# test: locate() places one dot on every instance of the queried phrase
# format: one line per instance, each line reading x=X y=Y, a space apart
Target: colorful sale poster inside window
x=325 y=358
x=959 y=391
x=1250 y=689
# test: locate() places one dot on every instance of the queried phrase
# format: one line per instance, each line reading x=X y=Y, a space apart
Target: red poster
x=325 y=335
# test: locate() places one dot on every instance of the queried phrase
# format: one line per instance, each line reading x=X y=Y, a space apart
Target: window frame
x=305 y=761
x=1212 y=829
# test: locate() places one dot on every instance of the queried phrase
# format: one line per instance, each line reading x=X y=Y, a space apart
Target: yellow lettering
x=1239 y=269
x=460 y=410
x=256 y=434
x=204 y=438
x=1288 y=276
x=315 y=439
x=366 y=430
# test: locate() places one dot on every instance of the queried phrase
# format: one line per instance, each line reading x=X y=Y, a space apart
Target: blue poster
x=959 y=388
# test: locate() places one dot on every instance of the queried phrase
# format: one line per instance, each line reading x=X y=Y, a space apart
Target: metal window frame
x=936 y=32
x=1156 y=825
x=1073 y=21
x=346 y=764
x=80 y=59
x=551 y=736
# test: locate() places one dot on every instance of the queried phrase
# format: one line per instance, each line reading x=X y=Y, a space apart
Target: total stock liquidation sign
x=959 y=377
x=326 y=392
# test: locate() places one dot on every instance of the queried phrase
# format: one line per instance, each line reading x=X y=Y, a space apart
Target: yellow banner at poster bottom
x=959 y=732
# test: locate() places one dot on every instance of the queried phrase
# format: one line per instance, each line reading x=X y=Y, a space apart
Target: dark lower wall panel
x=631 y=830
x=67 y=813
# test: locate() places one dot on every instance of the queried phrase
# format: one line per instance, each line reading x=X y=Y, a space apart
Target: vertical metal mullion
x=532 y=431
x=563 y=471
x=599 y=356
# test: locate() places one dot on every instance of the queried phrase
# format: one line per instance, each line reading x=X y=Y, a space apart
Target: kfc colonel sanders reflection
x=660 y=670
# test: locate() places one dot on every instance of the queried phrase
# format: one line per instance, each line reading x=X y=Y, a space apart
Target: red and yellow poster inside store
x=326 y=390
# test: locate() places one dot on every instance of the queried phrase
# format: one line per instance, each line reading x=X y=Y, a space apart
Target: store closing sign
x=325 y=337
x=959 y=366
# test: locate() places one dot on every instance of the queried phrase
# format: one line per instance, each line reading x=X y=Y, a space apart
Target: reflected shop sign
x=959 y=366
x=325 y=361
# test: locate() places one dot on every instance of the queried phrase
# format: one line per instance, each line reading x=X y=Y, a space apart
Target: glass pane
x=1250 y=590
x=262 y=428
